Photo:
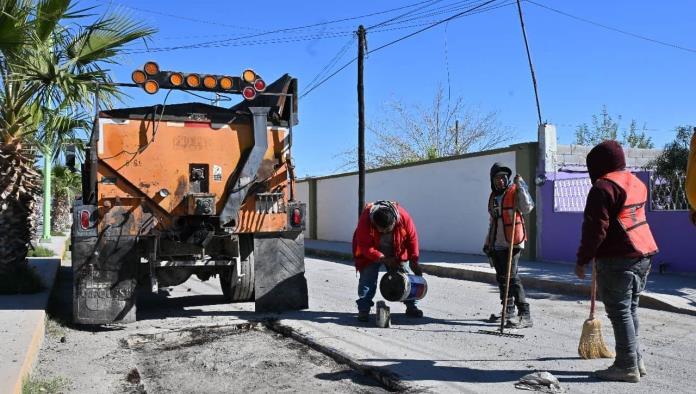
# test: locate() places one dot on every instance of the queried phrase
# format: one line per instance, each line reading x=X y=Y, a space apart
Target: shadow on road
x=419 y=370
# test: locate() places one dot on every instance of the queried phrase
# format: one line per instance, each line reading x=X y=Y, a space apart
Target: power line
x=479 y=11
x=186 y=18
x=614 y=29
x=396 y=41
x=430 y=27
x=215 y=42
x=246 y=43
x=331 y=63
x=449 y=8
x=407 y=13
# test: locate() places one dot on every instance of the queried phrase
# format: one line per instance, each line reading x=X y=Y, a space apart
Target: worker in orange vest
x=616 y=235
x=508 y=201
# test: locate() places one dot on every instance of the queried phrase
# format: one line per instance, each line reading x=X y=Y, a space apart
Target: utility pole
x=361 y=120
x=529 y=58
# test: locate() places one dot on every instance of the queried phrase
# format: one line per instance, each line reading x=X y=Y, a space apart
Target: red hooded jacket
x=366 y=240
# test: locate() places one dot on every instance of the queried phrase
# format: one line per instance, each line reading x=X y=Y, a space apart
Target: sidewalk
x=22 y=322
x=667 y=292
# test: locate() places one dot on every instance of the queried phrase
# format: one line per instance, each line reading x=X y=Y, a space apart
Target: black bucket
x=399 y=286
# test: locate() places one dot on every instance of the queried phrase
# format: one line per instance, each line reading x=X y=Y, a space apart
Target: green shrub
x=41 y=251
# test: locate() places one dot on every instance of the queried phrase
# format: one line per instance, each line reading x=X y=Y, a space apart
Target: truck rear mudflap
x=279 y=269
x=104 y=282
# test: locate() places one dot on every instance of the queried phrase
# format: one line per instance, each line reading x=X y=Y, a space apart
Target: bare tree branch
x=406 y=134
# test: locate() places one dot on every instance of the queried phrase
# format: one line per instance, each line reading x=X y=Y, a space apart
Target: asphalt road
x=440 y=353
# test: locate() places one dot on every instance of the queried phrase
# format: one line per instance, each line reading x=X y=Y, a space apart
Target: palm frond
x=49 y=13
x=103 y=40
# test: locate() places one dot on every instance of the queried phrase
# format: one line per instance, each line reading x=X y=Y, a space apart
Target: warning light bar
x=151 y=78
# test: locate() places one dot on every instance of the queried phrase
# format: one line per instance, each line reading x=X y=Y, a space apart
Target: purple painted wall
x=674 y=234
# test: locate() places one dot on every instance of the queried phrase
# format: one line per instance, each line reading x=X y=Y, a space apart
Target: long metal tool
x=503 y=316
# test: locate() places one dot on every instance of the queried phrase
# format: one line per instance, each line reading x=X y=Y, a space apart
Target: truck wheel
x=240 y=288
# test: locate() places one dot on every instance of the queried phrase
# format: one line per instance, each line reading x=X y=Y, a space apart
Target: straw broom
x=591 y=341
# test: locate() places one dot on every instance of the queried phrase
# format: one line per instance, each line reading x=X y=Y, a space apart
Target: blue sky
x=579 y=66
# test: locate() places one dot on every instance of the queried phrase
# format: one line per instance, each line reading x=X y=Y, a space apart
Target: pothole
x=246 y=357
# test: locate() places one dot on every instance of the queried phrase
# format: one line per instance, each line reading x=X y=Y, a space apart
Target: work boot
x=523 y=321
x=495 y=318
x=413 y=311
x=641 y=368
x=363 y=316
x=616 y=374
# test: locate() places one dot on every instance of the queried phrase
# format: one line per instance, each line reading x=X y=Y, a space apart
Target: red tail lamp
x=260 y=85
x=84 y=219
x=249 y=93
x=296 y=217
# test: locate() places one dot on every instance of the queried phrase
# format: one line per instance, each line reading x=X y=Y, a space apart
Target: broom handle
x=509 y=262
x=594 y=289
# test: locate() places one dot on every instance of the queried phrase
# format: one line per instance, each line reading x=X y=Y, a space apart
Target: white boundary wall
x=447 y=200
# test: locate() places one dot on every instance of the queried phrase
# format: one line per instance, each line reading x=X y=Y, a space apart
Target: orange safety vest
x=508 y=207
x=632 y=215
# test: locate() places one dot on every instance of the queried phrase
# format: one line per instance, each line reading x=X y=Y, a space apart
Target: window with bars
x=569 y=195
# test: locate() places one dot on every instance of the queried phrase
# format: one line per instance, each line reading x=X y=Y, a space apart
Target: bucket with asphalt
x=401 y=286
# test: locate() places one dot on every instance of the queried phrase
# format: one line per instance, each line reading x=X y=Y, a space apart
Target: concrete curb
x=30 y=325
x=647 y=300
x=37 y=336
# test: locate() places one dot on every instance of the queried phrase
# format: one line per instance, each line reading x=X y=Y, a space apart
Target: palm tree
x=46 y=66
x=65 y=186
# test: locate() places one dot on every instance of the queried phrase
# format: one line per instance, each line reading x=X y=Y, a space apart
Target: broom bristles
x=591 y=341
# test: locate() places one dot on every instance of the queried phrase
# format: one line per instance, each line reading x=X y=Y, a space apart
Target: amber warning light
x=152 y=79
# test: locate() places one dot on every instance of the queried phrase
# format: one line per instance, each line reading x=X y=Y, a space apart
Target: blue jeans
x=367 y=286
x=619 y=283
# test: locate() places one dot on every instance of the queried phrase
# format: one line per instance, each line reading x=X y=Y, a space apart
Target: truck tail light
x=259 y=85
x=296 y=217
x=84 y=219
x=249 y=93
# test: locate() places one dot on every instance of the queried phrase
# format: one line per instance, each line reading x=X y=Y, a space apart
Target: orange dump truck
x=176 y=190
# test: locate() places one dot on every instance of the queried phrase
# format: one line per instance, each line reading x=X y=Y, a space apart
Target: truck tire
x=236 y=288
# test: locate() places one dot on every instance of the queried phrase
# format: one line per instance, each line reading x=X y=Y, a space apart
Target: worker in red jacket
x=385 y=236
x=616 y=235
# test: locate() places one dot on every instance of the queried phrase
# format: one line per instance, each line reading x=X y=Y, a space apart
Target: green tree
x=605 y=127
x=49 y=69
x=671 y=163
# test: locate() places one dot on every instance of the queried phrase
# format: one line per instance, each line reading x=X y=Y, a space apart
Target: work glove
x=391 y=262
x=417 y=270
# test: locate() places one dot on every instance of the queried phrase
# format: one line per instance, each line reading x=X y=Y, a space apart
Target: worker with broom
x=616 y=236
x=508 y=201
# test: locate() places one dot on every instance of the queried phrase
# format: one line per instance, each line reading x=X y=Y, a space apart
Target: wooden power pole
x=361 y=121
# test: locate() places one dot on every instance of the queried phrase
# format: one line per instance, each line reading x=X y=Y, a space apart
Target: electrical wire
x=283 y=30
x=331 y=63
x=460 y=14
x=614 y=29
x=431 y=2
x=429 y=27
